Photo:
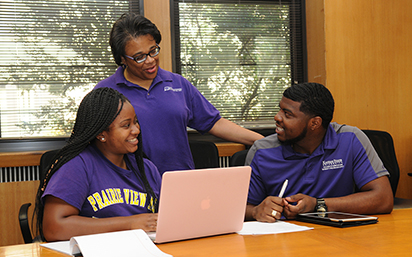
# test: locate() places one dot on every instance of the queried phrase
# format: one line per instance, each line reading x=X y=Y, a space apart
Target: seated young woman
x=99 y=181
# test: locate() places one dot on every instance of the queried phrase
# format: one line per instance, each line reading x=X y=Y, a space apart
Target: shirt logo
x=173 y=89
x=333 y=164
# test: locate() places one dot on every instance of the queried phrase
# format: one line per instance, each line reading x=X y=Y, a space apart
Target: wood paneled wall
x=158 y=12
x=12 y=196
x=361 y=51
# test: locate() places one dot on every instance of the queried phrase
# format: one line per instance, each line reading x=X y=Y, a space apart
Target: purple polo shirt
x=332 y=170
x=98 y=188
x=164 y=112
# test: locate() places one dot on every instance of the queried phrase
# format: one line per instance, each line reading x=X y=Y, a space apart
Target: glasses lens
x=155 y=52
x=143 y=57
x=140 y=58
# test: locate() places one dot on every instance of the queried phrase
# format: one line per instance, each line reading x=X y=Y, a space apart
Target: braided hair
x=127 y=27
x=315 y=100
x=98 y=109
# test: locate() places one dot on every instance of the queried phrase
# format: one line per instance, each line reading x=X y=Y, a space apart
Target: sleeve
x=70 y=183
x=203 y=115
x=363 y=172
x=270 y=141
x=373 y=156
x=250 y=154
x=257 y=191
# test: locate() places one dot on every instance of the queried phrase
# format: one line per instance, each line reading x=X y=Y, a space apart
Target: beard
x=296 y=139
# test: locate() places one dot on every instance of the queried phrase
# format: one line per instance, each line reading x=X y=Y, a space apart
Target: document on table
x=122 y=243
x=261 y=228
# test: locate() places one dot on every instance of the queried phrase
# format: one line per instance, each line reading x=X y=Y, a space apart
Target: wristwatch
x=321 y=205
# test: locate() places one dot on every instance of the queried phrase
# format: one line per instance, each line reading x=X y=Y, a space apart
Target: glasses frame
x=145 y=55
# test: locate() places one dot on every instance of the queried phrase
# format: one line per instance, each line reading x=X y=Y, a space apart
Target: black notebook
x=337 y=219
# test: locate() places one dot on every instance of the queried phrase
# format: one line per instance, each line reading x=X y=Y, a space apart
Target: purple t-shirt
x=98 y=188
x=332 y=170
x=164 y=112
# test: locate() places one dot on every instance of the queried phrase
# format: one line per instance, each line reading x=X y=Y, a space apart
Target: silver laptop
x=202 y=202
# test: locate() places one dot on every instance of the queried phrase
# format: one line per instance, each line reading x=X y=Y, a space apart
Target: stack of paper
x=122 y=243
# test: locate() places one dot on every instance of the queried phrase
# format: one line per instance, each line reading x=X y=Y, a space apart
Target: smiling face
x=121 y=137
x=141 y=73
x=291 y=123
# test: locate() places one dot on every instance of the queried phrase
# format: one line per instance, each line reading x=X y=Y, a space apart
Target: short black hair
x=315 y=100
x=128 y=26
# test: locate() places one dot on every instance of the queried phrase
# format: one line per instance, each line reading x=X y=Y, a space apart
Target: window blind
x=241 y=55
x=51 y=54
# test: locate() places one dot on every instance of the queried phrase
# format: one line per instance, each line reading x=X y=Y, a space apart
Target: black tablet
x=337 y=219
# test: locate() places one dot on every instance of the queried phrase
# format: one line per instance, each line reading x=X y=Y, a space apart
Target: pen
x=282 y=191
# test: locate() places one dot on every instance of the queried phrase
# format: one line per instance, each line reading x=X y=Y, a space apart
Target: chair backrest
x=205 y=154
x=45 y=161
x=383 y=143
x=238 y=158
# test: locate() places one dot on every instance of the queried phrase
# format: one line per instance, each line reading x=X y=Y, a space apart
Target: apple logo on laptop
x=205 y=204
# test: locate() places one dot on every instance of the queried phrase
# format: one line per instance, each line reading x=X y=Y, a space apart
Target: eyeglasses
x=142 y=57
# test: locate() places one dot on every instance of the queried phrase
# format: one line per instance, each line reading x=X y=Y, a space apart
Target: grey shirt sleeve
x=264 y=143
x=373 y=156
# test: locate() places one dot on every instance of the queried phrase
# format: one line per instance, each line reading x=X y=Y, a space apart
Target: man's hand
x=305 y=203
x=265 y=210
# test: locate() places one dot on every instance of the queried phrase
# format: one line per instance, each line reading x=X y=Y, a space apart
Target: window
x=52 y=53
x=241 y=55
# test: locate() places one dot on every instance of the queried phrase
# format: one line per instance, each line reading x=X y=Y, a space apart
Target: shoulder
x=112 y=80
x=360 y=135
x=268 y=142
x=85 y=162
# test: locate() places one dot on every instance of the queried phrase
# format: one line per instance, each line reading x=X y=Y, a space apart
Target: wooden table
x=391 y=236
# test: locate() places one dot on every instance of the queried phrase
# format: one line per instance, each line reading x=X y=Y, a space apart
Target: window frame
x=299 y=67
x=36 y=144
x=46 y=143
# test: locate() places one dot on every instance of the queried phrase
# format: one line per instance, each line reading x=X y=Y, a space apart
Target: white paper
x=261 y=228
x=61 y=246
x=123 y=243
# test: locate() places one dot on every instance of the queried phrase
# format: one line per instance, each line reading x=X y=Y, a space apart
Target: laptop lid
x=202 y=202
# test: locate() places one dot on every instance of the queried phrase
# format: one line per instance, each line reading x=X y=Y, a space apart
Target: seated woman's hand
x=145 y=221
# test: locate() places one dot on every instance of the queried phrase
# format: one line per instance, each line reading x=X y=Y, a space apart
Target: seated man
x=323 y=167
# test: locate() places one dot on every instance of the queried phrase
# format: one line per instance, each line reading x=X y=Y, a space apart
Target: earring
x=102 y=138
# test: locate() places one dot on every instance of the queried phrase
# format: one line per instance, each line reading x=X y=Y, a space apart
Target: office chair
x=45 y=161
x=238 y=158
x=205 y=154
x=383 y=143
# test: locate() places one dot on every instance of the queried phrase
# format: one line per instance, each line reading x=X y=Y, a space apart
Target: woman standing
x=165 y=103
